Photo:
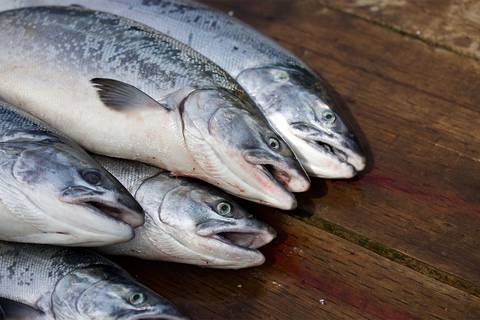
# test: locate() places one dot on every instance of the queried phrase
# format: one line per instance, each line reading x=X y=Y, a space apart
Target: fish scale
x=28 y=273
x=54 y=283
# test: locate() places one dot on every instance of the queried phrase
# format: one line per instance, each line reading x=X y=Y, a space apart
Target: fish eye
x=93 y=177
x=137 y=298
x=329 y=117
x=274 y=143
x=224 y=208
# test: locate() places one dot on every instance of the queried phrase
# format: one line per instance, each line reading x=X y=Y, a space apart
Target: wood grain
x=310 y=274
x=451 y=24
x=419 y=109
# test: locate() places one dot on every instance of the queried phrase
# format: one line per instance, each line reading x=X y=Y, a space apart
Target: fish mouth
x=165 y=311
x=288 y=173
x=99 y=203
x=243 y=241
x=157 y=317
x=342 y=154
x=331 y=154
x=118 y=213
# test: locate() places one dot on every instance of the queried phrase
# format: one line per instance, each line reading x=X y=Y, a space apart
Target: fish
x=187 y=221
x=63 y=283
x=124 y=90
x=299 y=104
x=54 y=192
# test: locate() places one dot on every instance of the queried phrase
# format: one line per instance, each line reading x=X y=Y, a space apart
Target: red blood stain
x=308 y=274
x=426 y=194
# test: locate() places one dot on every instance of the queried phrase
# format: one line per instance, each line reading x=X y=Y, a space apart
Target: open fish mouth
x=287 y=174
x=240 y=237
x=332 y=151
x=118 y=206
x=342 y=155
x=111 y=209
x=157 y=317
x=169 y=314
x=275 y=175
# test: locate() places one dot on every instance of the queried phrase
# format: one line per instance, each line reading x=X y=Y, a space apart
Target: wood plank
x=418 y=107
x=452 y=24
x=310 y=274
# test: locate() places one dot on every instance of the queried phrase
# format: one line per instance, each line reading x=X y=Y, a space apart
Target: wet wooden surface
x=401 y=242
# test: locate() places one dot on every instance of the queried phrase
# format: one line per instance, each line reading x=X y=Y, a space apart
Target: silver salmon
x=122 y=89
x=187 y=221
x=54 y=283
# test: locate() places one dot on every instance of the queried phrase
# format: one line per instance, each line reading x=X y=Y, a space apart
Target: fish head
x=302 y=108
x=88 y=203
x=234 y=144
x=207 y=226
x=106 y=292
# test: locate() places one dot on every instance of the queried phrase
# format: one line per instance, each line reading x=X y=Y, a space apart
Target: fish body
x=298 y=103
x=187 y=221
x=53 y=192
x=143 y=96
x=69 y=284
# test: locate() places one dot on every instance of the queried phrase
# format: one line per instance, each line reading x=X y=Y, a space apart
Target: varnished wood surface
x=451 y=24
x=400 y=242
x=310 y=274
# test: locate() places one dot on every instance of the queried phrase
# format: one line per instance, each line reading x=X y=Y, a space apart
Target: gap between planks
x=401 y=32
x=394 y=255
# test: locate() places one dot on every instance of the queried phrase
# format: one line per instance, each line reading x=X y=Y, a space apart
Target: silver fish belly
x=53 y=192
x=69 y=284
x=187 y=221
x=143 y=96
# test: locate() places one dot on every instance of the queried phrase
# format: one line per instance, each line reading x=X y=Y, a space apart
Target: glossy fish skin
x=53 y=192
x=188 y=221
x=297 y=102
x=144 y=96
x=71 y=284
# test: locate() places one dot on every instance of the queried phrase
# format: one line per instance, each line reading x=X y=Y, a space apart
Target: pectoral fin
x=12 y=310
x=122 y=96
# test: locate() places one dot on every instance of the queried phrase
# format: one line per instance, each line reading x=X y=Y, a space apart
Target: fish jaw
x=35 y=216
x=324 y=154
x=119 y=207
x=319 y=160
x=231 y=244
x=86 y=224
x=257 y=183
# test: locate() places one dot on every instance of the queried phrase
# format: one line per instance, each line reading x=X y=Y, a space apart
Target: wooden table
x=403 y=241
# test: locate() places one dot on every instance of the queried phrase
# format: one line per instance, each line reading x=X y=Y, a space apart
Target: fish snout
x=355 y=153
